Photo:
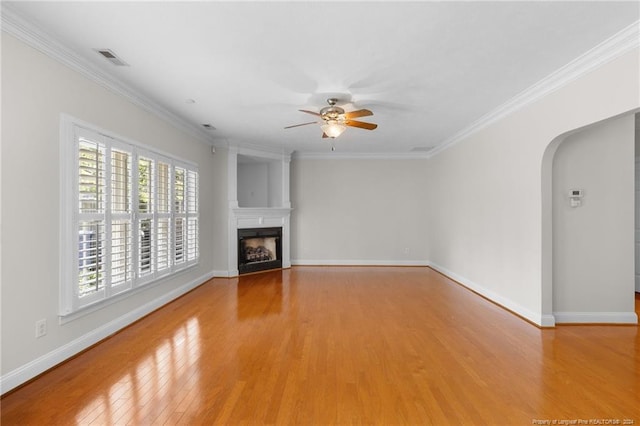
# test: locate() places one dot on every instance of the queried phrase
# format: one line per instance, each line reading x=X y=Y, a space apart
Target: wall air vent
x=112 y=57
x=422 y=149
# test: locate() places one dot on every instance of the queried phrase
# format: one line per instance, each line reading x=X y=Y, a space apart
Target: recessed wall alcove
x=588 y=256
x=258 y=198
x=259 y=182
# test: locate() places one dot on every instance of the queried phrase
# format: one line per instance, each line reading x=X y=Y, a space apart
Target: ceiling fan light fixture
x=335 y=120
x=333 y=129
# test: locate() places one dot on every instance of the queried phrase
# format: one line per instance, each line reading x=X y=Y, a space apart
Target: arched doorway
x=588 y=248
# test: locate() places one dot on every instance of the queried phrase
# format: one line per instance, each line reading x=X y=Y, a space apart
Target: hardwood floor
x=340 y=345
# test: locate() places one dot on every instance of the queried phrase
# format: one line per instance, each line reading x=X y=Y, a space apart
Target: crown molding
x=262 y=153
x=261 y=150
x=15 y=25
x=360 y=155
x=254 y=150
x=620 y=43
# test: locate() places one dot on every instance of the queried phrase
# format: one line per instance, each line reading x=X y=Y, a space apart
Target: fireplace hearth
x=259 y=249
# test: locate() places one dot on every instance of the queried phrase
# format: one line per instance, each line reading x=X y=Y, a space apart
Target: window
x=129 y=216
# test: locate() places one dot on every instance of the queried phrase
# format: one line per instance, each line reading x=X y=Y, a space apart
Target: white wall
x=637 y=225
x=493 y=214
x=593 y=244
x=637 y=206
x=35 y=91
x=220 y=214
x=358 y=211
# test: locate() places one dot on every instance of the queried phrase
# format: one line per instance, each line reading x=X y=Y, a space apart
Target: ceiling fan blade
x=310 y=112
x=360 y=124
x=356 y=114
x=303 y=124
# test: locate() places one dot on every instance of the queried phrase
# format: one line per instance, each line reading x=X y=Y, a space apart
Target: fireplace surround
x=264 y=204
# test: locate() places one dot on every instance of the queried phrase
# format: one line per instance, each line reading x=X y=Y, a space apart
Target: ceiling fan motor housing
x=332 y=112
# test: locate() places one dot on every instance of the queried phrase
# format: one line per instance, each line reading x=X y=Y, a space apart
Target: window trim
x=70 y=304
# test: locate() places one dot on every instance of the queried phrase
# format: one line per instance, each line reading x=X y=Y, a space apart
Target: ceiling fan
x=335 y=120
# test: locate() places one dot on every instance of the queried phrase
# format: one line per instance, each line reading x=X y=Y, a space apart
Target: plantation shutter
x=146 y=205
x=121 y=220
x=163 y=235
x=192 y=215
x=179 y=215
x=91 y=169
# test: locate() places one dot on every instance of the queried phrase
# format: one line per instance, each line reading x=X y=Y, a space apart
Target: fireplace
x=259 y=249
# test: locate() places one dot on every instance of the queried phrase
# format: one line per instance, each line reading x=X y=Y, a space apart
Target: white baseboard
x=357 y=262
x=596 y=317
x=221 y=274
x=534 y=317
x=39 y=365
x=548 y=321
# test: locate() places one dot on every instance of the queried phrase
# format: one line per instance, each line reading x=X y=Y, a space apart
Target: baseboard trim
x=357 y=262
x=49 y=360
x=548 y=320
x=528 y=315
x=596 y=317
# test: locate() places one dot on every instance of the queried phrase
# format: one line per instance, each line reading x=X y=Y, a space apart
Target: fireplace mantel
x=260 y=212
x=258 y=217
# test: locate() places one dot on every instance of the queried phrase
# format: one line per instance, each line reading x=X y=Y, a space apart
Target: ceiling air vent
x=422 y=149
x=208 y=127
x=112 y=57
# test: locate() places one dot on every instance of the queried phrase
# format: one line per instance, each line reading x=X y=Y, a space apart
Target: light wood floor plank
x=339 y=345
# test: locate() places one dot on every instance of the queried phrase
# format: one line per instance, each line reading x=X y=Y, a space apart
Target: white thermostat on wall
x=575 y=197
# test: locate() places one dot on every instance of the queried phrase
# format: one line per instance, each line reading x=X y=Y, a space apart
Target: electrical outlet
x=406 y=250
x=41 y=328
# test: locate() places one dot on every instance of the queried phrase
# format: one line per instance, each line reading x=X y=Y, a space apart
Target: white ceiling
x=426 y=69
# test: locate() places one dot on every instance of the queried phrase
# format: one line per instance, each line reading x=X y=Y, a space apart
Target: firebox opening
x=259 y=249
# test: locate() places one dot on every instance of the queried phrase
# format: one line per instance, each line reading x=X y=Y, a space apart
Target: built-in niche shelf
x=259 y=182
x=258 y=198
x=258 y=179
